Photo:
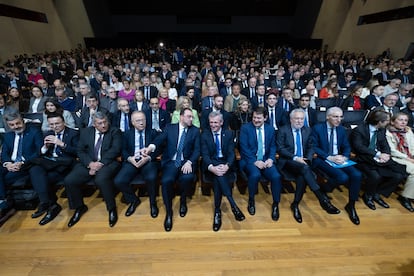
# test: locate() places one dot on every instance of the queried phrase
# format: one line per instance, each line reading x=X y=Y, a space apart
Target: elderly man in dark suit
x=332 y=145
x=258 y=157
x=98 y=149
x=181 y=150
x=295 y=148
x=21 y=145
x=134 y=163
x=122 y=118
x=58 y=155
x=217 y=150
x=374 y=160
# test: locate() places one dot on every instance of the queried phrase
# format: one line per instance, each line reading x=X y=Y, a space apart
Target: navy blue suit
x=371 y=102
x=281 y=117
x=153 y=91
x=128 y=172
x=47 y=177
x=31 y=144
x=248 y=150
x=164 y=118
x=255 y=102
x=168 y=141
x=349 y=176
x=286 y=148
x=110 y=150
x=222 y=184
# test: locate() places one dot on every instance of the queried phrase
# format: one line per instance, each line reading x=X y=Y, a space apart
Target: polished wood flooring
x=383 y=244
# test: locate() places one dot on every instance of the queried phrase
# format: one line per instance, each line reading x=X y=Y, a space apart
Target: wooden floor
x=322 y=245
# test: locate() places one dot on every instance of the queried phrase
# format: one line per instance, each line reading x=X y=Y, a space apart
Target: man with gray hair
x=333 y=150
x=295 y=148
x=98 y=149
x=217 y=149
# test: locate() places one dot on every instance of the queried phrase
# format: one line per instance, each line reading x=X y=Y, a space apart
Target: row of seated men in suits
x=99 y=145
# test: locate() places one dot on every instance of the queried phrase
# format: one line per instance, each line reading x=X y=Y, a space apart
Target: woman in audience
x=139 y=103
x=295 y=92
x=241 y=116
x=136 y=81
x=330 y=90
x=172 y=92
x=128 y=93
x=53 y=106
x=401 y=140
x=312 y=91
x=354 y=99
x=184 y=102
x=190 y=93
x=205 y=85
x=37 y=101
x=165 y=102
x=16 y=101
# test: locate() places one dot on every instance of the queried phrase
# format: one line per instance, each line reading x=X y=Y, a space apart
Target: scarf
x=163 y=103
x=400 y=135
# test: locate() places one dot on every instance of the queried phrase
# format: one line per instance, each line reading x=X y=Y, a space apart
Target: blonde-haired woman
x=184 y=102
x=401 y=141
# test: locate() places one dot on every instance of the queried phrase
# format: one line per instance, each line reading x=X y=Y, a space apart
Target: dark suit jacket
x=381 y=80
x=286 y=144
x=280 y=104
x=321 y=141
x=410 y=117
x=40 y=107
x=168 y=141
x=164 y=118
x=280 y=115
x=371 y=101
x=128 y=146
x=360 y=142
x=111 y=146
x=116 y=119
x=153 y=91
x=84 y=118
x=204 y=123
x=312 y=116
x=133 y=106
x=255 y=102
x=70 y=138
x=205 y=103
x=32 y=143
x=208 y=149
x=246 y=92
x=248 y=144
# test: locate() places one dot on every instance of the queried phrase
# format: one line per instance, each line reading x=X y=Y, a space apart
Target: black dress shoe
x=369 y=201
x=296 y=212
x=238 y=215
x=132 y=207
x=77 y=215
x=275 y=212
x=168 y=223
x=406 y=203
x=154 y=211
x=113 y=217
x=53 y=211
x=380 y=201
x=352 y=214
x=43 y=208
x=329 y=207
x=217 y=221
x=251 y=208
x=183 y=209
